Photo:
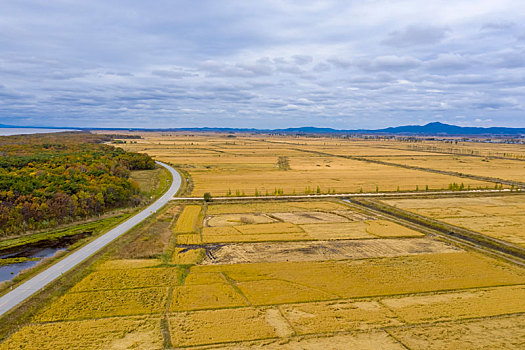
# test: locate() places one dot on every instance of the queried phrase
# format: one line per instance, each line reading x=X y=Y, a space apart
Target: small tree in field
x=207 y=197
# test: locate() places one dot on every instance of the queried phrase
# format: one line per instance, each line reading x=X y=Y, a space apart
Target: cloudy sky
x=265 y=64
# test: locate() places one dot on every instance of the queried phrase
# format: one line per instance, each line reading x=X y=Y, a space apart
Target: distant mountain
x=435 y=128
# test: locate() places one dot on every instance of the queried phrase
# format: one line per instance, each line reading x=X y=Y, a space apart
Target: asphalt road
x=25 y=290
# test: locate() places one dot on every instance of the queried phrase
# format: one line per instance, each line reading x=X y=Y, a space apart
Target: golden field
x=501 y=217
x=304 y=274
x=188 y=219
x=498 y=168
x=248 y=165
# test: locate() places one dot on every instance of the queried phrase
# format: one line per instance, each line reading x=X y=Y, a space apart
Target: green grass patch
x=91 y=228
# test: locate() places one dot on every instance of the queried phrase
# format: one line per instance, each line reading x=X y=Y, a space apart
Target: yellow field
x=248 y=164
x=464 y=304
x=492 y=333
x=124 y=264
x=306 y=274
x=187 y=256
x=106 y=303
x=108 y=333
x=346 y=279
x=273 y=207
x=384 y=228
x=252 y=222
x=208 y=327
x=499 y=168
x=337 y=316
x=187 y=220
x=280 y=227
x=499 y=217
x=130 y=278
x=208 y=296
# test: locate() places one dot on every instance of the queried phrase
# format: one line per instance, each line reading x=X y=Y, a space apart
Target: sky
x=262 y=64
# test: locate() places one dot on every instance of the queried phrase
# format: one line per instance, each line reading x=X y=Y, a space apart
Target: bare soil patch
x=237 y=219
x=321 y=250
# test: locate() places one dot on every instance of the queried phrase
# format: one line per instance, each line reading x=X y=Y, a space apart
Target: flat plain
x=249 y=164
x=307 y=274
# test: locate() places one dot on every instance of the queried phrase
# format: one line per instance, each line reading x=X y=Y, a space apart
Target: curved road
x=25 y=290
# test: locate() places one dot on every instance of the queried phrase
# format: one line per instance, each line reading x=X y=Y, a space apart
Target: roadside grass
x=153 y=237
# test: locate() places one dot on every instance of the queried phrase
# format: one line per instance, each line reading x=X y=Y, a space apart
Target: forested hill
x=49 y=179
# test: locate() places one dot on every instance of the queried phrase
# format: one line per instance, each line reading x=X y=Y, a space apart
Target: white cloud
x=329 y=63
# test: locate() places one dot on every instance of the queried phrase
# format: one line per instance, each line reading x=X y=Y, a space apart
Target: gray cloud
x=261 y=64
x=416 y=35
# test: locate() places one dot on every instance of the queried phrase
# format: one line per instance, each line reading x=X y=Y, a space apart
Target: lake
x=24 y=131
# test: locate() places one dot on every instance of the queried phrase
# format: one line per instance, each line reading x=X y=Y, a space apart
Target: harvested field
x=218 y=231
x=336 y=316
x=353 y=215
x=237 y=219
x=321 y=250
x=274 y=207
x=491 y=333
x=346 y=230
x=309 y=217
x=501 y=217
x=106 y=303
x=458 y=305
x=363 y=341
x=249 y=164
x=109 y=333
x=187 y=221
x=278 y=227
x=384 y=228
x=260 y=237
x=500 y=168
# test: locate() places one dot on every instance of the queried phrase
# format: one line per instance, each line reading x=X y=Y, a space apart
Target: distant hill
x=435 y=128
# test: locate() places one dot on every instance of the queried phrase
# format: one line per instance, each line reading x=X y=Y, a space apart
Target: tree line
x=50 y=179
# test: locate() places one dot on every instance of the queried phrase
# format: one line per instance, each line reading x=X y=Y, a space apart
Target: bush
x=207 y=197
